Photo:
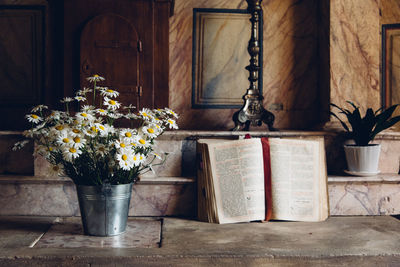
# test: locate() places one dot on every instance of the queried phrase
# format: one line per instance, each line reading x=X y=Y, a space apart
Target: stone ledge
x=20 y=179
x=339 y=241
x=176 y=196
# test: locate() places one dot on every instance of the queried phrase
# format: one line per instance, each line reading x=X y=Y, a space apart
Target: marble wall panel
x=59 y=199
x=364 y=198
x=355 y=52
x=390 y=11
x=290 y=64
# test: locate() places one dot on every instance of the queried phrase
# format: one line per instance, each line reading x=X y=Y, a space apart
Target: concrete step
x=338 y=241
x=176 y=196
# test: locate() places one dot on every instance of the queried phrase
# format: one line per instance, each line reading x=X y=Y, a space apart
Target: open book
x=262 y=179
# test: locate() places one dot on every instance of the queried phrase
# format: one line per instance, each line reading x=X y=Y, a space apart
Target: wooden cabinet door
x=110 y=47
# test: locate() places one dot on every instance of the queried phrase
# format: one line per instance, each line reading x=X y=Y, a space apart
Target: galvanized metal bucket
x=104 y=209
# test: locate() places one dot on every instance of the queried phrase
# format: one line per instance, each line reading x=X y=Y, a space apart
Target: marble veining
x=290 y=64
x=355 y=52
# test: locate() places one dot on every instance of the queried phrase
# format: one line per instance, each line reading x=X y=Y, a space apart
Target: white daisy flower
x=101 y=150
x=71 y=153
x=33 y=118
x=121 y=144
x=78 y=142
x=84 y=116
x=146 y=114
x=125 y=159
x=64 y=139
x=59 y=128
x=142 y=141
x=101 y=111
x=95 y=78
x=54 y=115
x=66 y=100
x=151 y=130
x=115 y=115
x=39 y=108
x=127 y=133
x=90 y=131
x=171 y=112
x=55 y=170
x=172 y=124
x=103 y=129
x=75 y=132
x=109 y=92
x=138 y=159
x=88 y=108
x=84 y=91
x=80 y=98
x=111 y=104
x=131 y=116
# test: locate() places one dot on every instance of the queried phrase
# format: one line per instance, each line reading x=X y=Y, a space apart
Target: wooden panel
x=149 y=21
x=109 y=47
x=21 y=57
x=161 y=54
x=21 y=63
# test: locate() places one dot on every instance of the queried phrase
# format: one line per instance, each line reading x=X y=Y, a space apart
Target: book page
x=296 y=179
x=238 y=179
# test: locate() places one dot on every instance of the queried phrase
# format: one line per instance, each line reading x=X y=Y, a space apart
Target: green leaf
x=342 y=122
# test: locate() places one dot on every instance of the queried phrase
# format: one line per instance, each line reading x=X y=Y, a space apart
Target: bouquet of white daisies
x=85 y=146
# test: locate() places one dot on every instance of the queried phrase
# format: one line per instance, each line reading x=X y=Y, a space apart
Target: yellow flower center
x=72 y=150
x=76 y=131
x=84 y=114
x=96 y=75
x=144 y=114
x=102 y=110
x=124 y=157
x=59 y=127
x=122 y=145
x=150 y=130
x=142 y=141
x=101 y=127
x=110 y=91
x=77 y=139
x=65 y=140
x=128 y=134
x=170 y=121
x=134 y=158
x=141 y=157
x=112 y=102
x=93 y=129
x=50 y=149
x=34 y=116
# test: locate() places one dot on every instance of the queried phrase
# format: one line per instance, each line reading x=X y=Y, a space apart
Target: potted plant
x=362 y=156
x=102 y=161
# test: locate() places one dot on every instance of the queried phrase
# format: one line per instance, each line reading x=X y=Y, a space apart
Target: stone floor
x=339 y=241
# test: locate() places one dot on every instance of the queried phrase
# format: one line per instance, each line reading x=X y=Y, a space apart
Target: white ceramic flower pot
x=363 y=159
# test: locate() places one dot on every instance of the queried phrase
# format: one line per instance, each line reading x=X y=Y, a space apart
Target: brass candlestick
x=253 y=112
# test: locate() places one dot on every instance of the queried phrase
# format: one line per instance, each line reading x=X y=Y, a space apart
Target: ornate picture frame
x=390 y=80
x=220 y=40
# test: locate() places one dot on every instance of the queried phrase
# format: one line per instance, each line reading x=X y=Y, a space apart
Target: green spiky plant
x=364 y=129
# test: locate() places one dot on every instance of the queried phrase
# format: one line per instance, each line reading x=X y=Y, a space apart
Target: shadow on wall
x=308 y=81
